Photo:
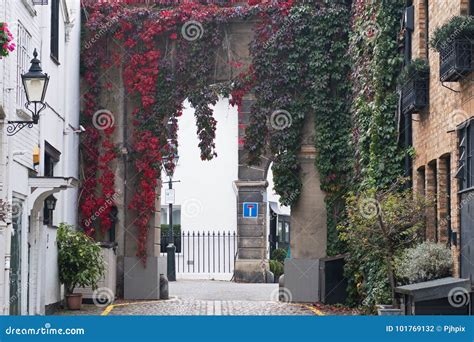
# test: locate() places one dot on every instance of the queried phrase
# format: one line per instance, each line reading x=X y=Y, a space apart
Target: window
x=55 y=30
x=176 y=215
x=409 y=26
x=466 y=166
x=51 y=157
x=421 y=179
x=23 y=41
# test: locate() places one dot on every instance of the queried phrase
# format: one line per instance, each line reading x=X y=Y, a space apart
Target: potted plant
x=277 y=263
x=453 y=41
x=381 y=224
x=413 y=83
x=80 y=263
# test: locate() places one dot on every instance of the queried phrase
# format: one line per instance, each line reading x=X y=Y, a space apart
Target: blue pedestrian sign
x=250 y=210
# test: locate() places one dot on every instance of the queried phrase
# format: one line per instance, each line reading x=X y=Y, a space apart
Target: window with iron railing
x=23 y=41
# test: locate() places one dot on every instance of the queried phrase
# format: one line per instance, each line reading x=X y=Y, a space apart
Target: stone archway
x=136 y=282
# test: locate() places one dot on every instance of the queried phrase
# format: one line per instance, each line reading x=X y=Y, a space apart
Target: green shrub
x=80 y=259
x=279 y=254
x=380 y=224
x=277 y=268
x=427 y=261
x=458 y=27
x=176 y=229
x=418 y=66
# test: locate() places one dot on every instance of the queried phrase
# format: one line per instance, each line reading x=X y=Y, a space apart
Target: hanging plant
x=458 y=27
x=6 y=38
x=416 y=67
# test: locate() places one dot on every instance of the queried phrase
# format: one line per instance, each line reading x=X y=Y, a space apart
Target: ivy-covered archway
x=140 y=63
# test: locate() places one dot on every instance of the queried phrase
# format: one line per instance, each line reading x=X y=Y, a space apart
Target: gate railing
x=204 y=252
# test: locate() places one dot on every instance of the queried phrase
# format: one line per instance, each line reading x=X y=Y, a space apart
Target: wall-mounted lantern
x=35 y=83
x=51 y=202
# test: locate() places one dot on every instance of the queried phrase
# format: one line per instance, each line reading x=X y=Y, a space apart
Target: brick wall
x=434 y=138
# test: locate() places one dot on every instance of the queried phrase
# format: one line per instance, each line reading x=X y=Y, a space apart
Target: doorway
x=15 y=261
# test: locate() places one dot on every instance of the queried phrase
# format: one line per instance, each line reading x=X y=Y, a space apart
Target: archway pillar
x=308 y=241
x=251 y=265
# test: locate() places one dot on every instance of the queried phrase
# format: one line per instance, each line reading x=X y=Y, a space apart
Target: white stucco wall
x=55 y=126
x=205 y=192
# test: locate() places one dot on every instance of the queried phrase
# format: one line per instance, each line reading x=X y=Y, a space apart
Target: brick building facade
x=436 y=137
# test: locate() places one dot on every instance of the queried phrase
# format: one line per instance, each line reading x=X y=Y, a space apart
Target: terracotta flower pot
x=74 y=301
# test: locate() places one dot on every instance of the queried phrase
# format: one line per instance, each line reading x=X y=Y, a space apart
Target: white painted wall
x=62 y=115
x=205 y=192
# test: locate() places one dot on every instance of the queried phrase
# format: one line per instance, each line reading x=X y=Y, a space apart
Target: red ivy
x=147 y=35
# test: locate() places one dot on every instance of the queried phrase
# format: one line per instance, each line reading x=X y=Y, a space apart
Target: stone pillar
x=308 y=232
x=139 y=281
x=251 y=265
x=308 y=217
x=143 y=281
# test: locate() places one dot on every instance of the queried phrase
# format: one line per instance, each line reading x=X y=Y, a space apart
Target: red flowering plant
x=164 y=55
x=6 y=38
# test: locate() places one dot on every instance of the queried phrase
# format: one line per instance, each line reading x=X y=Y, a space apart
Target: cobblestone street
x=210 y=308
x=200 y=298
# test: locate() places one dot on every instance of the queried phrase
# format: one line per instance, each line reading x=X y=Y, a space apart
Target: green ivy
x=303 y=69
x=376 y=63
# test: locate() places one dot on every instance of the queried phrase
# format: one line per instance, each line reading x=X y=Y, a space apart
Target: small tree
x=382 y=223
x=79 y=259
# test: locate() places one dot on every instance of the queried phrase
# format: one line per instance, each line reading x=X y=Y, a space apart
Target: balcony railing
x=456 y=60
x=415 y=93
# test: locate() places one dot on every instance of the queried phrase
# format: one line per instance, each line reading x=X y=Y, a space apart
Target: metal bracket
x=16 y=126
x=456 y=91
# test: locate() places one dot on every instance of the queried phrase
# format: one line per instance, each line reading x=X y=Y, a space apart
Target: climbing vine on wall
x=301 y=71
x=376 y=63
x=164 y=53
